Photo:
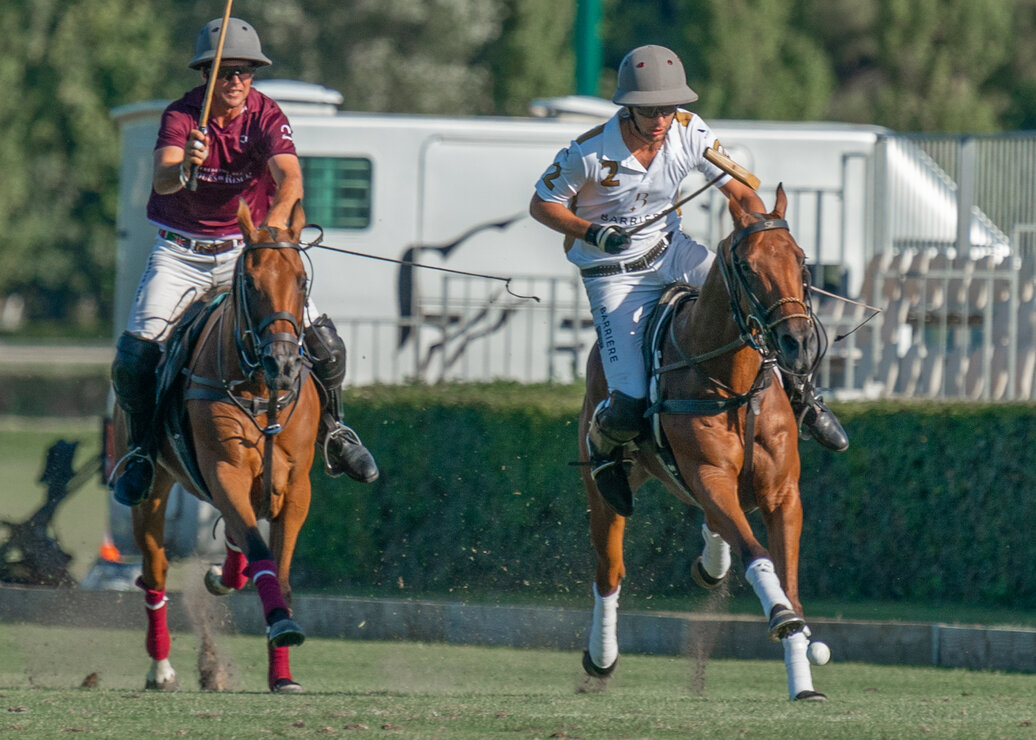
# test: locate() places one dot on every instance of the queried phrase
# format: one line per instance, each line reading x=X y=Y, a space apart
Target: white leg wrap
x=604 y=645
x=767 y=586
x=716 y=556
x=795 y=661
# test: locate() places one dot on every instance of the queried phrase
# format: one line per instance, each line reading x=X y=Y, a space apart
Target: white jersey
x=598 y=177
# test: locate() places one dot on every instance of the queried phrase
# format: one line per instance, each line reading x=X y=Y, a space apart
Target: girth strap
x=696 y=406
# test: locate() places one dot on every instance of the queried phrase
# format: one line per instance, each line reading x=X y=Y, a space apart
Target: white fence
x=948 y=230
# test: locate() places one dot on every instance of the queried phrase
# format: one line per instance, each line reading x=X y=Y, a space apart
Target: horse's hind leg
x=149 y=534
x=221 y=580
x=713 y=565
x=606 y=533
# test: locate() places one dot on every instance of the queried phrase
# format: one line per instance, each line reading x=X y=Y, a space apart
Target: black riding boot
x=342 y=448
x=133 y=376
x=615 y=423
x=814 y=418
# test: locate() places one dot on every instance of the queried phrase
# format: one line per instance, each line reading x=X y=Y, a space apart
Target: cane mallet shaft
x=203 y=122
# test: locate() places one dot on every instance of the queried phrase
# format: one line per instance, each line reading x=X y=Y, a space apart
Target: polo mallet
x=725 y=163
x=203 y=122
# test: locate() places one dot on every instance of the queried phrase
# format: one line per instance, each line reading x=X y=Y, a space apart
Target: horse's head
x=270 y=285
x=764 y=269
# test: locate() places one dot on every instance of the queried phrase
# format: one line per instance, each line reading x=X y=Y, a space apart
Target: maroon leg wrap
x=264 y=574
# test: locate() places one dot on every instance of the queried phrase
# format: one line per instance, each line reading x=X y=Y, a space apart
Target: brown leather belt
x=200 y=246
x=641 y=263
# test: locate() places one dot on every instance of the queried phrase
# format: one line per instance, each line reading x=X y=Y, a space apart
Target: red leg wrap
x=264 y=574
x=280 y=665
x=234 y=569
x=157 y=640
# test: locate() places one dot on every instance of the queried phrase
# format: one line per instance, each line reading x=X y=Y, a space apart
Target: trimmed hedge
x=932 y=501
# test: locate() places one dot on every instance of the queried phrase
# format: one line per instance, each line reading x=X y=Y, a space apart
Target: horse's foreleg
x=784 y=529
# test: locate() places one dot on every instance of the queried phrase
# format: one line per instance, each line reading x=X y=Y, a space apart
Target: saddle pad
x=171 y=409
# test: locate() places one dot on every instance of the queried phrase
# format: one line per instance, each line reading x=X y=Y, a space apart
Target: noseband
x=251 y=344
x=756 y=328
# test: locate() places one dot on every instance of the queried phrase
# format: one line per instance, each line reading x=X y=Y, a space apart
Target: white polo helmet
x=652 y=75
x=241 y=42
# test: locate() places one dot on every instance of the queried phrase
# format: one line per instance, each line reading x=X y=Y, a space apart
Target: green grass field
x=438 y=691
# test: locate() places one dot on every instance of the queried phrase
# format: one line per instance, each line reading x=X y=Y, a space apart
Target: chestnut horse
x=730 y=430
x=252 y=411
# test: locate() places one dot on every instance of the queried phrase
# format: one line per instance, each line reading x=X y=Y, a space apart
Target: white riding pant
x=173 y=279
x=621 y=305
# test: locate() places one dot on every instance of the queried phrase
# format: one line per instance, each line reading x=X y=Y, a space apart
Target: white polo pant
x=173 y=279
x=621 y=305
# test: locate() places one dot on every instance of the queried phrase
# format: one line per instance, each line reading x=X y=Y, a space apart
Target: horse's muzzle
x=282 y=364
x=797 y=346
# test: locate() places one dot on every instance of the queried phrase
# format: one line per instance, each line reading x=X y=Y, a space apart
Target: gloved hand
x=612 y=239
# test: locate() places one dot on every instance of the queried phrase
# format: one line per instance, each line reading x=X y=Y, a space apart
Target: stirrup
x=125 y=465
x=360 y=466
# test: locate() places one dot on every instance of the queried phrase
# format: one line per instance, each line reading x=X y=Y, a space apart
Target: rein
x=250 y=344
x=755 y=330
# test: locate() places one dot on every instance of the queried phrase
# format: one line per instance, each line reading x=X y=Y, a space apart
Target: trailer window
x=338 y=191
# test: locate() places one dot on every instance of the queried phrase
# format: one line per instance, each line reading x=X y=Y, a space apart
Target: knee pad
x=327 y=350
x=133 y=372
x=623 y=416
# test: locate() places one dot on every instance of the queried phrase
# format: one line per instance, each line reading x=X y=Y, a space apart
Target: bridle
x=756 y=326
x=249 y=339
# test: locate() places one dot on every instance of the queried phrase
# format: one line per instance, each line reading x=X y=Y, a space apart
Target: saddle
x=171 y=411
x=677 y=297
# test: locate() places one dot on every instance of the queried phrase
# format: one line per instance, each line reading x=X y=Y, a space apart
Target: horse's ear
x=782 y=202
x=244 y=220
x=298 y=219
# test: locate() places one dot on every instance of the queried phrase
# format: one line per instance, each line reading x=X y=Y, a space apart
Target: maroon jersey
x=235 y=168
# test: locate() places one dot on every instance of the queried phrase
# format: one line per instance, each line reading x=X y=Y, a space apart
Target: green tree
x=917 y=65
x=67 y=65
x=533 y=56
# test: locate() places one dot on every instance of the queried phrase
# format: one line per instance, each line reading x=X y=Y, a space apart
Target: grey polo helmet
x=652 y=75
x=241 y=42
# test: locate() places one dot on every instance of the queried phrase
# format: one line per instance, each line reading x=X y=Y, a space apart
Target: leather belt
x=201 y=246
x=641 y=263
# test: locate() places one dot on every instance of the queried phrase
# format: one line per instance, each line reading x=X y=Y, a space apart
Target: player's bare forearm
x=288 y=175
x=559 y=217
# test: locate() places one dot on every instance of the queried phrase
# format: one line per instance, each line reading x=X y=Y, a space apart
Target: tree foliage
x=912 y=65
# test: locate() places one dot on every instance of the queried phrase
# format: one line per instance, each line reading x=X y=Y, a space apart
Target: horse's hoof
x=171 y=684
x=701 y=576
x=214 y=583
x=161 y=677
x=285 y=633
x=810 y=696
x=592 y=670
x=286 y=686
x=784 y=622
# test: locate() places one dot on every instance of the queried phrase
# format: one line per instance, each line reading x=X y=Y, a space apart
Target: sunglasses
x=662 y=110
x=243 y=73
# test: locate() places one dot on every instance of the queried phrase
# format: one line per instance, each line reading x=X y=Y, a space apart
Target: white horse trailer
x=453 y=192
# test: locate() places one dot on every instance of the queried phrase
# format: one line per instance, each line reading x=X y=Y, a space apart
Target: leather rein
x=250 y=345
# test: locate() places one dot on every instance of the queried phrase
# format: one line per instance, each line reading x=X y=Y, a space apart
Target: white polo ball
x=818 y=653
